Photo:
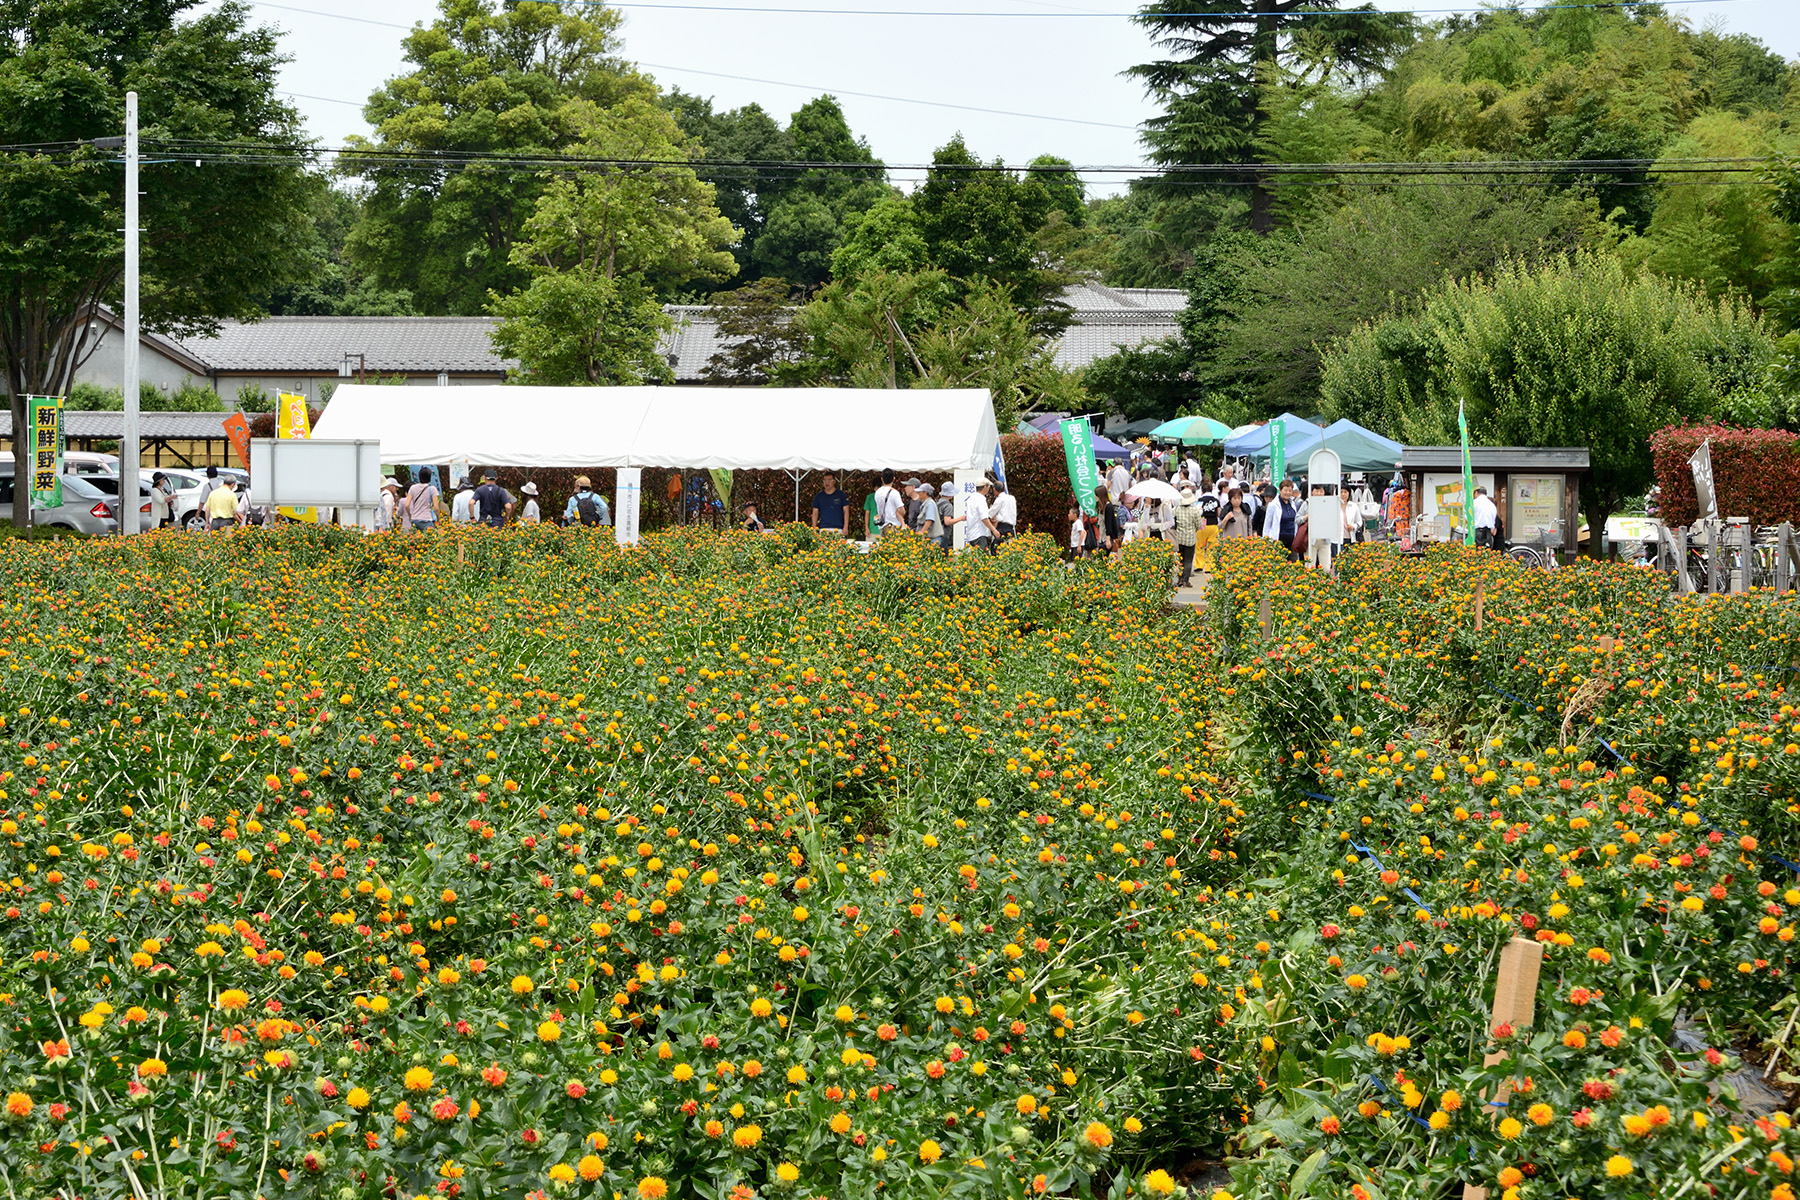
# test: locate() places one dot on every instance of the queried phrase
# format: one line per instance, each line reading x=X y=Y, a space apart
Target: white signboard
x=288 y=473
x=627 y=500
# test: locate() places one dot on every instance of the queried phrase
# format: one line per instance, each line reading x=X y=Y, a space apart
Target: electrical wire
x=1142 y=17
x=804 y=87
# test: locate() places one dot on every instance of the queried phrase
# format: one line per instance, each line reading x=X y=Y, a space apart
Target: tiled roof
x=1095 y=297
x=316 y=345
x=694 y=341
x=1106 y=319
x=155 y=426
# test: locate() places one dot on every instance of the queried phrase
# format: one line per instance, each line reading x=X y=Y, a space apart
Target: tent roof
x=1255 y=442
x=810 y=429
x=1360 y=449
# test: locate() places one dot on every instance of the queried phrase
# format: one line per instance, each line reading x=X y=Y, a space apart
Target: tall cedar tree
x=1221 y=51
x=216 y=237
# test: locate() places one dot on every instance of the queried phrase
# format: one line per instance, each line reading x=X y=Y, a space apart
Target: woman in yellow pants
x=1209 y=533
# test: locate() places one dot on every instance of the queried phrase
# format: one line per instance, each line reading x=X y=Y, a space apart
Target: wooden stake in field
x=1515 y=1004
x=460 y=545
x=1265 y=617
x=1479 y=602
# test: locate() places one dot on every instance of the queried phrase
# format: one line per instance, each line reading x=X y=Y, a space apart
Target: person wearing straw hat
x=586 y=506
x=1188 y=523
x=529 y=515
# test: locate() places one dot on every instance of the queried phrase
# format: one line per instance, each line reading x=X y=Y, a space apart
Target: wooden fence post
x=1515 y=1004
x=1605 y=644
x=1265 y=617
x=1480 y=601
x=459 y=551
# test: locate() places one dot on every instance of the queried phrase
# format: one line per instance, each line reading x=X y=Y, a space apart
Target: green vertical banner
x=1084 y=472
x=1468 y=491
x=44 y=420
x=721 y=481
x=1277 y=452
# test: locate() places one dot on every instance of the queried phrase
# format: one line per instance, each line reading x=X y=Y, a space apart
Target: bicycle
x=1540 y=552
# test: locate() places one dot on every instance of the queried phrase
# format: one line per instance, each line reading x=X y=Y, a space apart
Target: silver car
x=85 y=509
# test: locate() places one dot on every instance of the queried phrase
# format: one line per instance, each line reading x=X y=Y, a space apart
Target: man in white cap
x=384 y=512
x=978 y=523
x=529 y=515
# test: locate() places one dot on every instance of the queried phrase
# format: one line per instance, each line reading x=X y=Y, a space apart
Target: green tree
x=886 y=237
x=748 y=135
x=488 y=78
x=760 y=339
x=1578 y=351
x=980 y=221
x=861 y=332
x=1261 y=310
x=215 y=237
x=332 y=285
x=1220 y=54
x=792 y=219
x=600 y=244
x=1722 y=231
x=986 y=342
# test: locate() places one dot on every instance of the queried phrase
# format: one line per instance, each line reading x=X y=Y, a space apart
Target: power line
x=804 y=87
x=196 y=148
x=1057 y=14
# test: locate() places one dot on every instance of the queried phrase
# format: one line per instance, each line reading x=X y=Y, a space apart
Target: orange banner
x=238 y=430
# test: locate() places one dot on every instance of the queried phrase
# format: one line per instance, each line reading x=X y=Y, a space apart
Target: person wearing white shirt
x=1118 y=482
x=1485 y=514
x=462 y=509
x=978 y=522
x=1005 y=511
x=890 y=505
x=530 y=514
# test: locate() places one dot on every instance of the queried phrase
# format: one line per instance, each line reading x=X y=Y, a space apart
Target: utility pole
x=130 y=447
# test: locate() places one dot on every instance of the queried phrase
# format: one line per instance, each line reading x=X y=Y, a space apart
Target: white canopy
x=805 y=429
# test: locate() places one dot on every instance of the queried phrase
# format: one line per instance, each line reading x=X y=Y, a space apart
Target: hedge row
x=1756 y=472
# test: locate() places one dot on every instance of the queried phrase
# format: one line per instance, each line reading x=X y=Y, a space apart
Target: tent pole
x=797 y=475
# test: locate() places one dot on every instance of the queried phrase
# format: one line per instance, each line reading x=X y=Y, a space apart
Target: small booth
x=1538 y=490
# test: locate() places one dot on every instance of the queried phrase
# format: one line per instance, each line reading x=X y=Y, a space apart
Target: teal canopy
x=1360 y=449
x=1192 y=431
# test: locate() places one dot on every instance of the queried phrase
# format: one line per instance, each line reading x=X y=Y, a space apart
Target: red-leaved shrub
x=1756 y=472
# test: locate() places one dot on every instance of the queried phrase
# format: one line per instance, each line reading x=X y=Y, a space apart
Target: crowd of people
x=990 y=512
x=1206 y=510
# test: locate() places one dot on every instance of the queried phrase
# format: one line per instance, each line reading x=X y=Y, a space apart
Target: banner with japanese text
x=44 y=420
x=1084 y=472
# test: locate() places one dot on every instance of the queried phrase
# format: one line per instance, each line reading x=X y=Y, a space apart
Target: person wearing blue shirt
x=586 y=506
x=831 y=508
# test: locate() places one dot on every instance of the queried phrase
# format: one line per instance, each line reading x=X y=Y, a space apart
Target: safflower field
x=514 y=864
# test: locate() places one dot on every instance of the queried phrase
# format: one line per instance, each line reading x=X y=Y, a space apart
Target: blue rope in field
x=1369 y=854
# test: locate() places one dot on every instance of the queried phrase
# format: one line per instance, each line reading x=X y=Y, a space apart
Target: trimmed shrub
x=1756 y=472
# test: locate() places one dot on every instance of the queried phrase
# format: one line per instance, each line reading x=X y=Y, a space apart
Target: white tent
x=792 y=429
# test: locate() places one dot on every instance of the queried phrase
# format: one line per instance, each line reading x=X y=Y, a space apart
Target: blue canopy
x=1302 y=438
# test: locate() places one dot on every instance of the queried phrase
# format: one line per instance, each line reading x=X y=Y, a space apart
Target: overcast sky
x=1048 y=58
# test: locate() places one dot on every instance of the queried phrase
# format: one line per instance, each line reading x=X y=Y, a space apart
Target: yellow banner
x=293 y=421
